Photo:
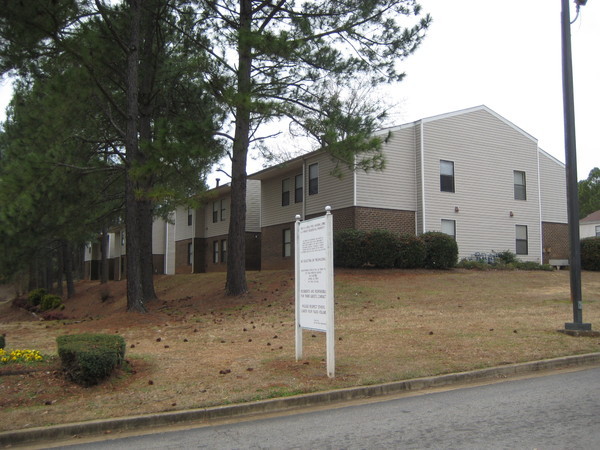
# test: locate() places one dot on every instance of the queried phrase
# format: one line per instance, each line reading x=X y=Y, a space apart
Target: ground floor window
x=224 y=250
x=449 y=227
x=287 y=242
x=521 y=242
x=190 y=253
x=216 y=252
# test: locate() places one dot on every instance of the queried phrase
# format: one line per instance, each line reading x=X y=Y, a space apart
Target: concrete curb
x=148 y=421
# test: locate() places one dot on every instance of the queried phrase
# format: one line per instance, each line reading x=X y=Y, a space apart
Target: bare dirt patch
x=196 y=347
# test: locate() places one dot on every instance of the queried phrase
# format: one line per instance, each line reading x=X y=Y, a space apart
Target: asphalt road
x=559 y=411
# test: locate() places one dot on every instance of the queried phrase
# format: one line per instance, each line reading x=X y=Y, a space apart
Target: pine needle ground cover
x=197 y=347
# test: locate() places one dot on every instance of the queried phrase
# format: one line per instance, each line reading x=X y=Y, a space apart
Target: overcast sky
x=505 y=55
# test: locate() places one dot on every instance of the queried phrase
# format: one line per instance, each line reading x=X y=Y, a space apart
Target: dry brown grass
x=390 y=325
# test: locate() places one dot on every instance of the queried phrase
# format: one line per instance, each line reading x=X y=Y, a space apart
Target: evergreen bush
x=35 y=297
x=590 y=253
x=87 y=359
x=349 y=248
x=2 y=341
x=441 y=250
x=381 y=248
x=50 y=301
x=411 y=252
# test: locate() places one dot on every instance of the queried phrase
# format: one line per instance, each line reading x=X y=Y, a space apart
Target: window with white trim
x=298 y=188
x=446 y=176
x=449 y=227
x=313 y=179
x=285 y=192
x=521 y=240
x=520 y=185
x=287 y=242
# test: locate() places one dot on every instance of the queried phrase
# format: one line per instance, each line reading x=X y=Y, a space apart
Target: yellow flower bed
x=20 y=356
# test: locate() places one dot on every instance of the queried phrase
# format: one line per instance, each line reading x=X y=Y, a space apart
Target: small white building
x=589 y=226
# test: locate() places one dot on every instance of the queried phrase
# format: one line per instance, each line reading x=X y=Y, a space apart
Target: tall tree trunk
x=236 y=259
x=104 y=241
x=60 y=268
x=135 y=293
x=150 y=14
x=68 y=264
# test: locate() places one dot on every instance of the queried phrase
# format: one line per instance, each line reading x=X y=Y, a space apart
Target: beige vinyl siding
x=272 y=211
x=334 y=191
x=253 y=206
x=219 y=227
x=337 y=192
x=553 y=189
x=588 y=229
x=159 y=236
x=182 y=230
x=395 y=186
x=486 y=150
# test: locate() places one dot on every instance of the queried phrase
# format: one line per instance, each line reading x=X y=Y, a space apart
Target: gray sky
x=505 y=55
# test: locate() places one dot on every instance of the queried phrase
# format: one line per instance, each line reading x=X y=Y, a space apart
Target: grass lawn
x=198 y=348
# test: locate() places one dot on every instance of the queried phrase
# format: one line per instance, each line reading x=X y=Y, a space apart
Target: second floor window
x=189 y=217
x=223 y=210
x=446 y=176
x=215 y=211
x=299 y=185
x=285 y=192
x=520 y=186
x=313 y=179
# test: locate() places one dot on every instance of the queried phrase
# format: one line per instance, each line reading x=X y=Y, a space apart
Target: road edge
x=90 y=428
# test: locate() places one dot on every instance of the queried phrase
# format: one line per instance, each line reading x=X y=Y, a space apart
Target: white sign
x=313 y=274
x=314 y=282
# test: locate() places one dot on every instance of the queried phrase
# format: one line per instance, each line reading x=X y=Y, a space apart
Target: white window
x=299 y=184
x=189 y=217
x=216 y=252
x=287 y=242
x=521 y=241
x=446 y=176
x=449 y=227
x=313 y=179
x=190 y=251
x=520 y=185
x=285 y=192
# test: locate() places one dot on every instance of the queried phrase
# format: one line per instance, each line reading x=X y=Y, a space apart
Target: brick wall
x=555 y=241
x=181 y=257
x=398 y=222
x=367 y=219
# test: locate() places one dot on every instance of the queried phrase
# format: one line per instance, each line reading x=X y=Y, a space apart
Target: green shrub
x=590 y=253
x=410 y=253
x=50 y=301
x=441 y=250
x=349 y=248
x=35 y=296
x=381 y=248
x=506 y=257
x=2 y=341
x=88 y=359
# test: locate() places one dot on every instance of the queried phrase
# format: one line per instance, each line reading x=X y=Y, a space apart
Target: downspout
x=539 y=180
x=422 y=148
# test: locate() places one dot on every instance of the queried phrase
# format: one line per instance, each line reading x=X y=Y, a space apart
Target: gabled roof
x=297 y=162
x=593 y=217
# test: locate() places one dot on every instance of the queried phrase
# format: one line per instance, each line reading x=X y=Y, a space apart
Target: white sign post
x=314 y=282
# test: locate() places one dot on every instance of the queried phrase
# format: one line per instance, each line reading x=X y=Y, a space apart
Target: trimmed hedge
x=411 y=252
x=441 y=250
x=87 y=359
x=590 y=253
x=381 y=247
x=349 y=248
